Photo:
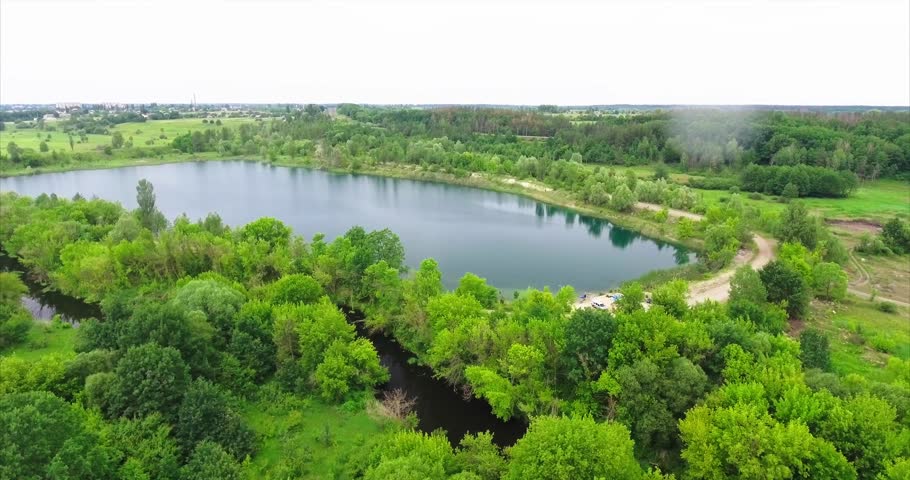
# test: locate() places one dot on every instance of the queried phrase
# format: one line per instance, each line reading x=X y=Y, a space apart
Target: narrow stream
x=438 y=404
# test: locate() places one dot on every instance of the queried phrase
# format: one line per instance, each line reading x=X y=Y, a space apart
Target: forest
x=197 y=319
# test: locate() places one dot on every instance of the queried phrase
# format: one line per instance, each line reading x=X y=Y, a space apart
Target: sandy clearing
x=855 y=226
x=716 y=288
x=526 y=184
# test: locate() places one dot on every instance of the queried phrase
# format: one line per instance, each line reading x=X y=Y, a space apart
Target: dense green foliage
x=197 y=317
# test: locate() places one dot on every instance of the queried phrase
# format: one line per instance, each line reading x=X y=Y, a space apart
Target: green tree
x=42 y=147
x=14 y=151
x=813 y=348
x=410 y=455
x=205 y=414
x=216 y=300
x=749 y=301
x=791 y=191
x=150 y=379
x=721 y=244
x=746 y=286
x=652 y=398
x=672 y=296
x=384 y=294
x=269 y=230
x=829 y=281
x=297 y=288
x=785 y=285
x=15 y=321
x=474 y=286
x=863 y=428
x=796 y=225
x=347 y=367
x=117 y=140
x=633 y=295
x=494 y=388
x=741 y=441
x=148 y=447
x=622 y=199
x=210 y=462
x=148 y=214
x=589 y=336
x=477 y=454
x=44 y=437
x=573 y=447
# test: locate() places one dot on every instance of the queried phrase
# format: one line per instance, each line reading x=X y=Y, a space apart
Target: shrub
x=882 y=343
x=887 y=307
x=896 y=235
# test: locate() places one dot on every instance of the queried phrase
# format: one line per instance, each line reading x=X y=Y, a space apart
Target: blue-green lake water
x=513 y=241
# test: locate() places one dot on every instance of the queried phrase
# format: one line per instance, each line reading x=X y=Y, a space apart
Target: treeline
x=197 y=314
x=798 y=181
x=870 y=145
x=789 y=147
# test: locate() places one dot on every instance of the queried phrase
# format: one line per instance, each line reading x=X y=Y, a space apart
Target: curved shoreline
x=715 y=288
x=477 y=180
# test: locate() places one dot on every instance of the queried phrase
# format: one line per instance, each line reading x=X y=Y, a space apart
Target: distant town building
x=68 y=107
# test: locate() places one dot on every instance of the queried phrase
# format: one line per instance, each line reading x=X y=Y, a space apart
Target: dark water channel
x=438 y=405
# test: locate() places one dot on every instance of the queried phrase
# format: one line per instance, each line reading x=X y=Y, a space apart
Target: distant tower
x=194 y=101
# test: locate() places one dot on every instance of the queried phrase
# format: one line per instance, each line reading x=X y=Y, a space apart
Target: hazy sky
x=503 y=52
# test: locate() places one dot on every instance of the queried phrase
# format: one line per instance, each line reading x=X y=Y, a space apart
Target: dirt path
x=673 y=212
x=718 y=287
x=878 y=298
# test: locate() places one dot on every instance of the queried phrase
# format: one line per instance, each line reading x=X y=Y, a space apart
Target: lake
x=513 y=241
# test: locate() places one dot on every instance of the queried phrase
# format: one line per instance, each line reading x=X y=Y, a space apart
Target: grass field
x=45 y=339
x=304 y=438
x=141 y=132
x=863 y=337
x=877 y=200
x=152 y=130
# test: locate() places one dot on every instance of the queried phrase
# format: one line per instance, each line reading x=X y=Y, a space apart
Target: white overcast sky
x=468 y=51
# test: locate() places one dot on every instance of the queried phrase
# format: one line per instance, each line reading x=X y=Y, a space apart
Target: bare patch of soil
x=856 y=226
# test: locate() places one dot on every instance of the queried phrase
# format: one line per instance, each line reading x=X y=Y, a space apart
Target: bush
x=887 y=307
x=896 y=235
x=882 y=343
x=755 y=196
x=872 y=245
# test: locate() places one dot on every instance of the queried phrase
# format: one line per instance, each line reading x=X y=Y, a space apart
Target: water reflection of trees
x=619 y=237
x=681 y=255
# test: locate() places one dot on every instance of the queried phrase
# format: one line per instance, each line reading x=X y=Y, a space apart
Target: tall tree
x=148 y=213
